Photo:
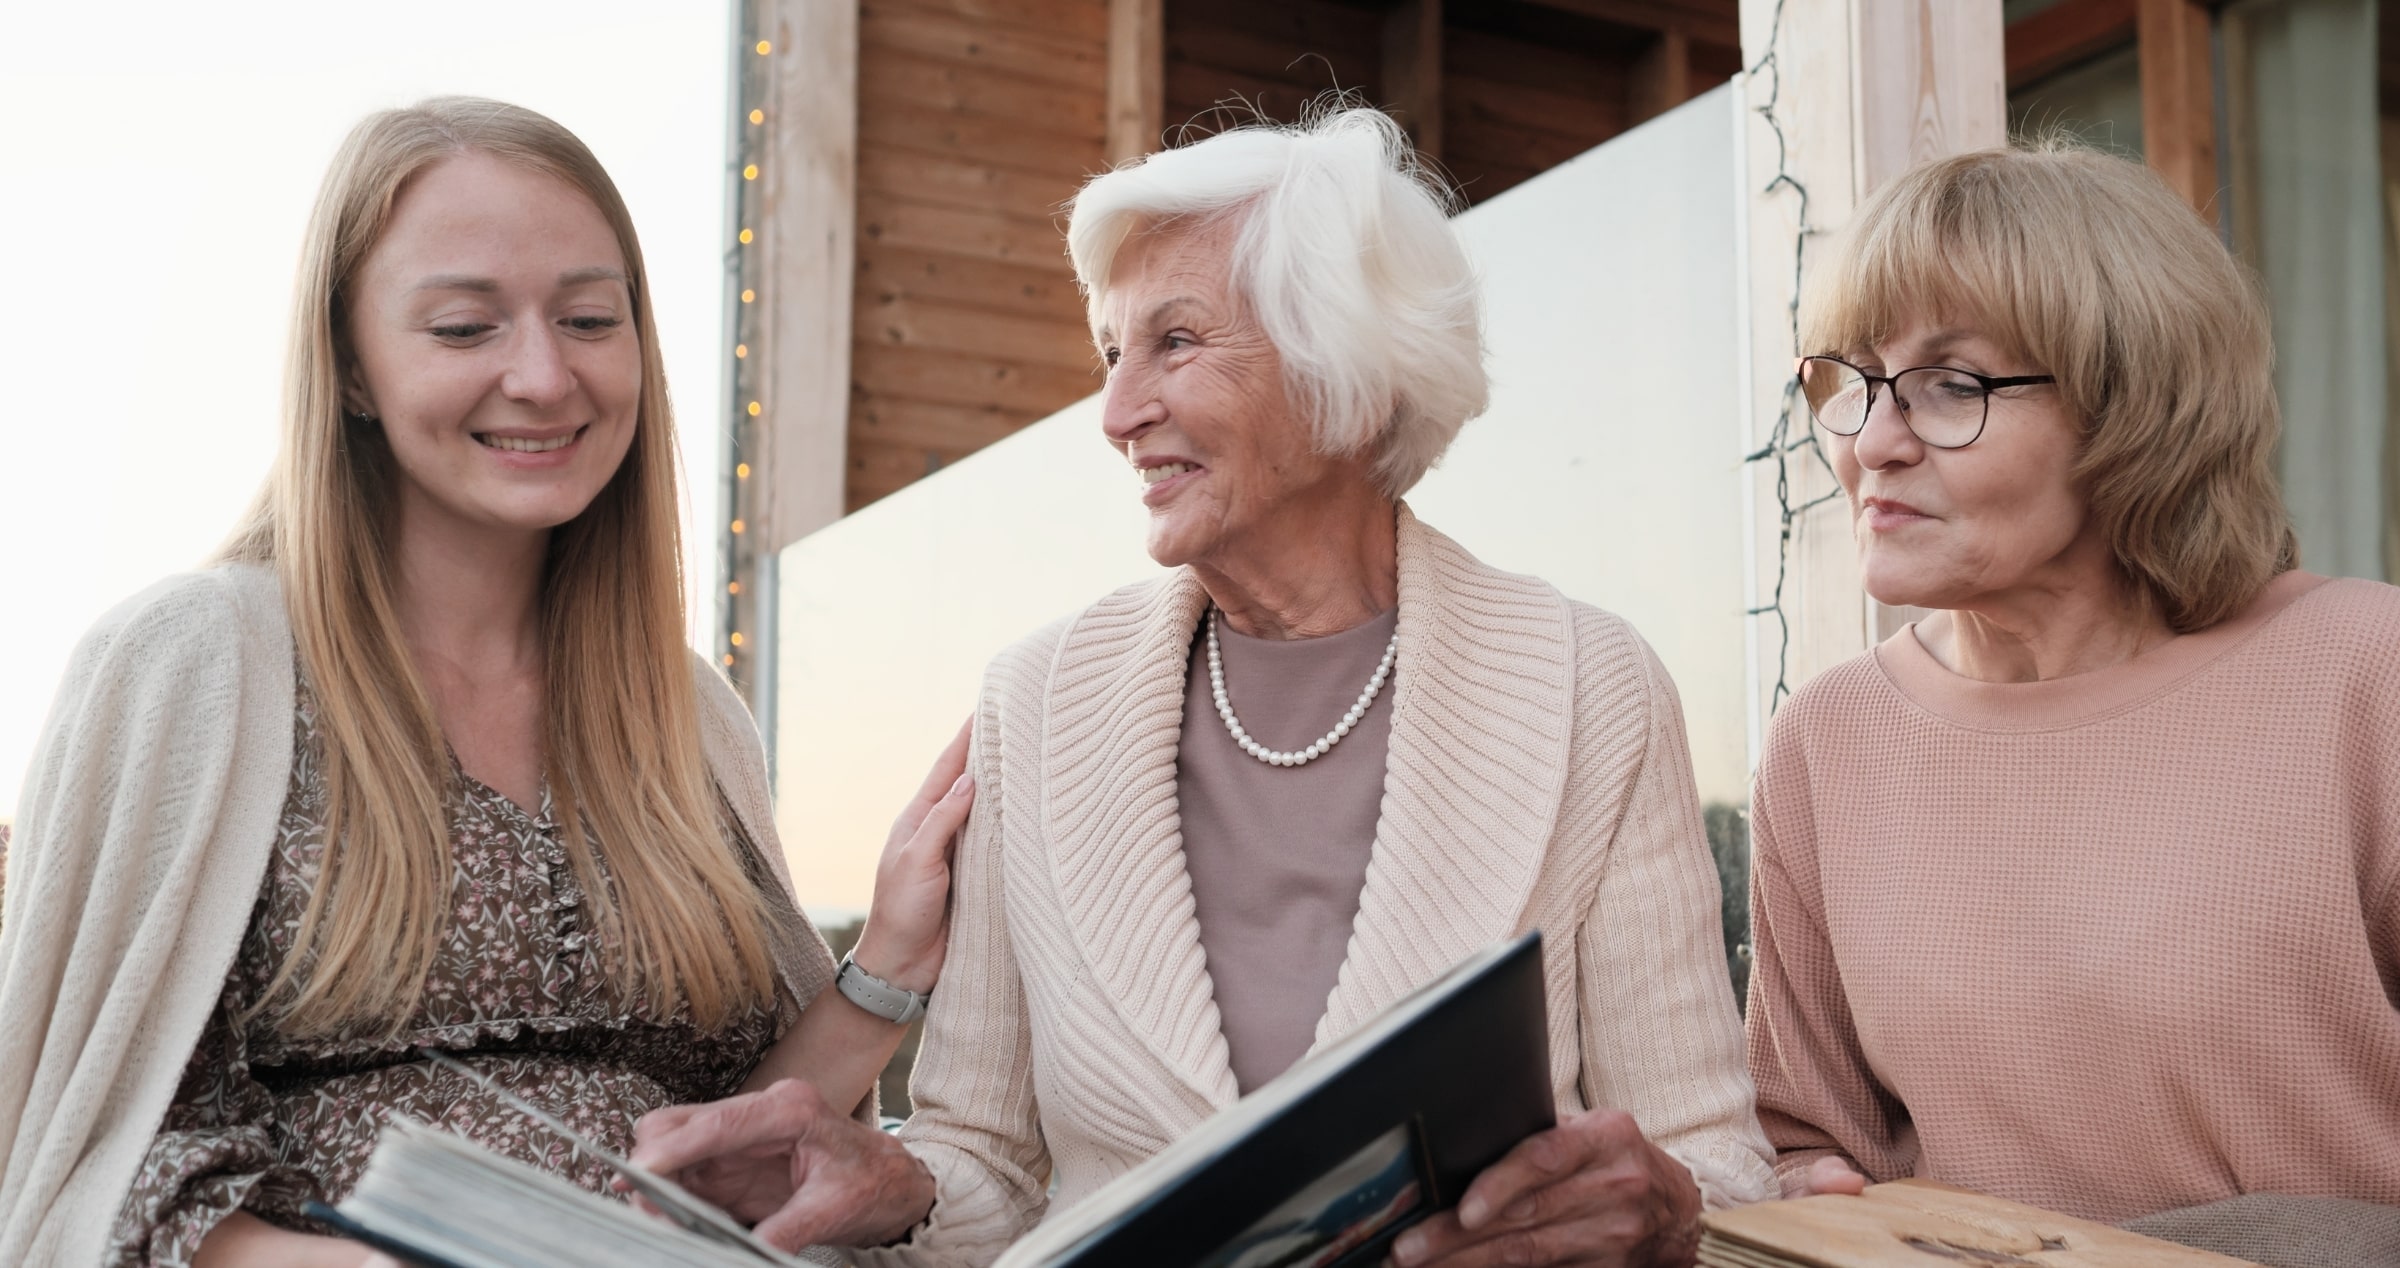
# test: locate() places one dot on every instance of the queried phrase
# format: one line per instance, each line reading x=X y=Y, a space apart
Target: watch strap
x=892 y=1003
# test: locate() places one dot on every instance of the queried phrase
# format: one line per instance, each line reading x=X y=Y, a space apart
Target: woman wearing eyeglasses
x=2083 y=890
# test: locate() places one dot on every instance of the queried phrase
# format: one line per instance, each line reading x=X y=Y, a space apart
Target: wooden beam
x=2179 y=116
x=1412 y=71
x=1137 y=77
x=1862 y=90
x=806 y=236
x=1662 y=77
x=1931 y=82
x=2064 y=34
x=1710 y=21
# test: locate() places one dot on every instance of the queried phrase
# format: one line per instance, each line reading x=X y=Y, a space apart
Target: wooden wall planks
x=978 y=119
x=1230 y=61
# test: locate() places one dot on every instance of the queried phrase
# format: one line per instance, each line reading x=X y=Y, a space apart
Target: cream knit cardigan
x=1538 y=777
x=144 y=832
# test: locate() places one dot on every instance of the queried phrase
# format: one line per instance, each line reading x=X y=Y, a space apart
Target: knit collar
x=2078 y=698
x=1483 y=694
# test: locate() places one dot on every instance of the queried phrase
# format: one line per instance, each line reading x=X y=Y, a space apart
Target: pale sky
x=157 y=161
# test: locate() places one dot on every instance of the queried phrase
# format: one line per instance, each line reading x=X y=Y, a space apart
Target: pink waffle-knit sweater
x=2110 y=944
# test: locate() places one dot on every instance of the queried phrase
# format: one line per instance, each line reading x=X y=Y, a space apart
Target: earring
x=361 y=418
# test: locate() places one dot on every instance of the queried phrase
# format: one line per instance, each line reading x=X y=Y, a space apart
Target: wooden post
x=1412 y=71
x=1860 y=91
x=793 y=214
x=2179 y=117
x=1662 y=77
x=1932 y=81
x=806 y=237
x=1137 y=77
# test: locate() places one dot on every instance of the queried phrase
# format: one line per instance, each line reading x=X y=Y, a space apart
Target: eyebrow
x=488 y=286
x=1157 y=310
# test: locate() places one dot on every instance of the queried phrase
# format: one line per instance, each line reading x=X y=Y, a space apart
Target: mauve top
x=1278 y=854
x=2112 y=944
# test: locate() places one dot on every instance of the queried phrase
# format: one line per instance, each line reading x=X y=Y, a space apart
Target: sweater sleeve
x=1660 y=1036
x=975 y=1124
x=1816 y=1094
x=147 y=816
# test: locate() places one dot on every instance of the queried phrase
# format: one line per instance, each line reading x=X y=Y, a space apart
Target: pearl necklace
x=1302 y=757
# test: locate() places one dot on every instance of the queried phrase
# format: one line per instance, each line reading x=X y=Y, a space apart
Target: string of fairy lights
x=1781 y=448
x=737 y=555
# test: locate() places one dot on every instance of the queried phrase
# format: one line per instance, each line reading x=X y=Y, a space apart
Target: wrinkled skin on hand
x=804 y=1173
x=1591 y=1191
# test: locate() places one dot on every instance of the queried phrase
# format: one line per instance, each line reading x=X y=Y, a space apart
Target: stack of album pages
x=1918 y=1224
x=434 y=1199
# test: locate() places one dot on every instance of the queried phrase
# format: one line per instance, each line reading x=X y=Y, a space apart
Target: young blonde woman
x=422 y=762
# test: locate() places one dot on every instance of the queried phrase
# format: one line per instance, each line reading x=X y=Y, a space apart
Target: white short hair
x=1344 y=252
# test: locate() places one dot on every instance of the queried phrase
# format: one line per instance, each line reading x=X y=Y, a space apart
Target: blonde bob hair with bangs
x=2091 y=269
x=682 y=923
x=1344 y=254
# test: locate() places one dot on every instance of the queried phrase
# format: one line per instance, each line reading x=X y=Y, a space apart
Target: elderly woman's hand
x=908 y=929
x=802 y=1172
x=1590 y=1191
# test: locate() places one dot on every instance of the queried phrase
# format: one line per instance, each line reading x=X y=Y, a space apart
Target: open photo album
x=1320 y=1168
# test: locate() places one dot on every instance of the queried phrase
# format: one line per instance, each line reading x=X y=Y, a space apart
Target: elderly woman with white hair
x=1226 y=816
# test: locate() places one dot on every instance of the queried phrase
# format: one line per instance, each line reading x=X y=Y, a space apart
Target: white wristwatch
x=877 y=996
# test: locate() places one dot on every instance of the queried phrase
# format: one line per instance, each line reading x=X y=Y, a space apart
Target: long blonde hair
x=2090 y=267
x=678 y=914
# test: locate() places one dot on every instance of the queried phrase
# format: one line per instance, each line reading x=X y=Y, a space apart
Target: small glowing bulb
x=737 y=638
x=741 y=471
x=745 y=237
x=740 y=350
x=748 y=294
x=750 y=172
x=753 y=409
x=729 y=660
x=758 y=116
x=737 y=526
x=733 y=587
x=765 y=48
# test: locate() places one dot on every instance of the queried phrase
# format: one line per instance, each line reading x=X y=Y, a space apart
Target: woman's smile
x=533 y=449
x=1161 y=481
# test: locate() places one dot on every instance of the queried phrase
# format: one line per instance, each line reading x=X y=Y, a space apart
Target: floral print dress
x=517 y=991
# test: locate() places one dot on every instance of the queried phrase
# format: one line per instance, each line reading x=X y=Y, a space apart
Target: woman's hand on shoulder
x=908 y=927
x=1591 y=1190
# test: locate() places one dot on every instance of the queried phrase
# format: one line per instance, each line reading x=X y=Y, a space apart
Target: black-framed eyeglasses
x=1943 y=405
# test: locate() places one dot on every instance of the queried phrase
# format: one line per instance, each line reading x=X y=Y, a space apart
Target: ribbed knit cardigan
x=142 y=838
x=1538 y=777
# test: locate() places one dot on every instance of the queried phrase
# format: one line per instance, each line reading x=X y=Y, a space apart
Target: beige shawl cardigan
x=1538 y=777
x=148 y=817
